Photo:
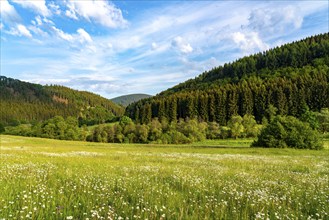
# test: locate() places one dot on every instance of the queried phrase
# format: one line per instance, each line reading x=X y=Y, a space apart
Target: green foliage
x=2 y=128
x=310 y=117
x=251 y=128
x=192 y=129
x=271 y=112
x=60 y=128
x=181 y=132
x=126 y=100
x=155 y=130
x=213 y=131
x=280 y=81
x=236 y=127
x=21 y=130
x=290 y=132
x=125 y=120
x=24 y=103
x=95 y=115
x=323 y=119
x=55 y=128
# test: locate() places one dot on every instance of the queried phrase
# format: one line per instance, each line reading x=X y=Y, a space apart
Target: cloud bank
x=143 y=47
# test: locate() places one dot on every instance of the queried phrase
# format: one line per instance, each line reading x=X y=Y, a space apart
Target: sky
x=115 y=48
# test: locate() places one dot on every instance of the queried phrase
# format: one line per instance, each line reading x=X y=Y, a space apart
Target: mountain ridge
x=291 y=77
x=29 y=102
x=126 y=100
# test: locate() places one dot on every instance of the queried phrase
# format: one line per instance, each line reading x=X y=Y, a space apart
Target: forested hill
x=126 y=100
x=291 y=77
x=23 y=102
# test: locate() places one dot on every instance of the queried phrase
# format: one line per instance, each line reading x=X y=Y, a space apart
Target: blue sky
x=115 y=48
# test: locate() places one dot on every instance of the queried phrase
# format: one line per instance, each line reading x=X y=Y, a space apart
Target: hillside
x=126 y=100
x=291 y=77
x=23 y=102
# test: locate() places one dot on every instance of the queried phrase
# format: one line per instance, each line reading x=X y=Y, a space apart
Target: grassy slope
x=126 y=100
x=58 y=179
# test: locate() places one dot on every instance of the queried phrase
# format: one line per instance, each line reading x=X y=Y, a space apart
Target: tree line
x=182 y=131
x=57 y=127
x=303 y=87
x=127 y=131
x=187 y=130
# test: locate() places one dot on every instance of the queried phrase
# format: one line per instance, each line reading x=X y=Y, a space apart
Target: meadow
x=52 y=179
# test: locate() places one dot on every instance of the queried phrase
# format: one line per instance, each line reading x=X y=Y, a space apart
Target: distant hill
x=126 y=100
x=23 y=102
x=291 y=77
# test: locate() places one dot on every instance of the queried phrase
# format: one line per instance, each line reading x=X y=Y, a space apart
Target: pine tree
x=212 y=110
x=173 y=110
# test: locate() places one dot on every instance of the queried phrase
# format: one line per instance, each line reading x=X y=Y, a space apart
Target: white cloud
x=81 y=36
x=36 y=30
x=8 y=11
x=54 y=8
x=41 y=25
x=39 y=7
x=84 y=36
x=150 y=55
x=101 y=12
x=20 y=30
x=23 y=30
x=71 y=14
x=1 y=26
x=181 y=45
x=47 y=21
x=154 y=46
x=62 y=35
x=281 y=19
x=38 y=20
x=125 y=42
x=71 y=11
x=249 y=42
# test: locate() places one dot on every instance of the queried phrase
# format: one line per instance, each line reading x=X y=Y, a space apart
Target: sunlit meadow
x=50 y=179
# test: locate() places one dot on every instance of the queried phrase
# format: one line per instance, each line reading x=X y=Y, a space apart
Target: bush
x=236 y=126
x=288 y=131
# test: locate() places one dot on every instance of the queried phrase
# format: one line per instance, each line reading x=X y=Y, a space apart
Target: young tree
x=236 y=126
x=213 y=130
x=271 y=112
x=125 y=120
x=323 y=118
x=310 y=117
x=155 y=129
x=142 y=133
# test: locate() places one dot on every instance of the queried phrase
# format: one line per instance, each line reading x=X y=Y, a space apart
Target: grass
x=51 y=179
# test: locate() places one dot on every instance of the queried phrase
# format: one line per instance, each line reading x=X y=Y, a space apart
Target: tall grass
x=49 y=179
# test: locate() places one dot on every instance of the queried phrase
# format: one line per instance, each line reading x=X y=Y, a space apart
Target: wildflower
x=69 y=217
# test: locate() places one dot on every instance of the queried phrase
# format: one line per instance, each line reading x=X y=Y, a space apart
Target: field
x=50 y=179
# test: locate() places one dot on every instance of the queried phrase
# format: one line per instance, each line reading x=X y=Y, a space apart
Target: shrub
x=288 y=131
x=236 y=126
x=225 y=132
